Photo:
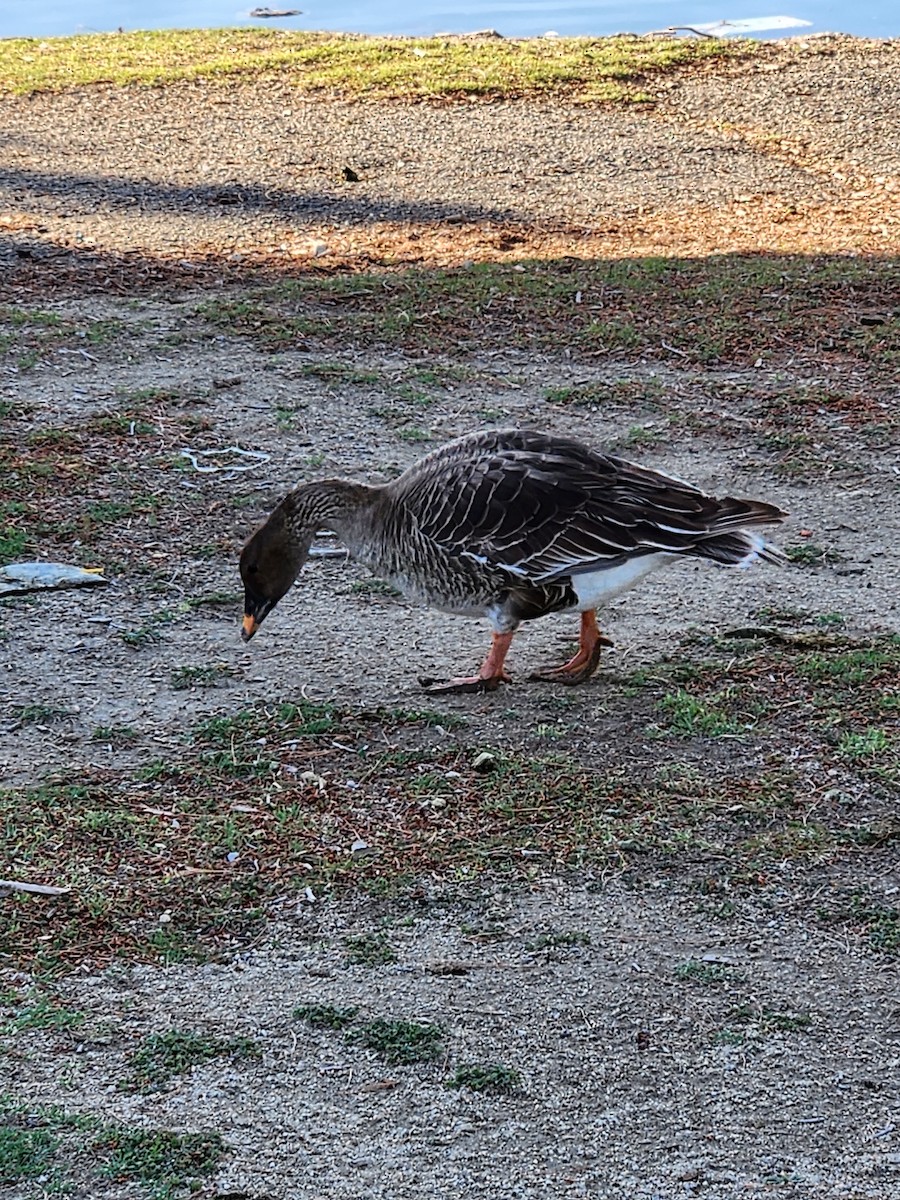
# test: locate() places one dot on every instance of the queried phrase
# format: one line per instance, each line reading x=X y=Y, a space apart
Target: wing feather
x=541 y=508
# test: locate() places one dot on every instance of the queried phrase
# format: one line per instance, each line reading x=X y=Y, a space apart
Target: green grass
x=399 y=1043
x=249 y=791
x=38 y=1011
x=118 y=736
x=24 y=1153
x=369 y=950
x=162 y=1056
x=706 y=973
x=165 y=1162
x=414 y=434
x=692 y=716
x=13 y=544
x=870 y=744
x=879 y=923
x=766 y=1021
x=236 y=746
x=808 y=554
x=111 y=511
x=326 y=1016
x=38 y=714
x=682 y=310
x=601 y=69
x=210 y=676
x=556 y=941
x=641 y=437
x=152 y=629
x=70 y=1154
x=485 y=1077
x=340 y=373
x=27 y=336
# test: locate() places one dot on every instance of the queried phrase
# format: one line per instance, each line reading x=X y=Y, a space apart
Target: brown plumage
x=508 y=524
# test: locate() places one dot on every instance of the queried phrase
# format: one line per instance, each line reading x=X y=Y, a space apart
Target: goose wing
x=541 y=507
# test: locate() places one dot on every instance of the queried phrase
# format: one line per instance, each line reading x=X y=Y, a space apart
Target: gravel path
x=255 y=169
x=636 y=1081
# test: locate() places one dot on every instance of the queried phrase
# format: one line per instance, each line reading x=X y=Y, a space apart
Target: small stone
x=484 y=762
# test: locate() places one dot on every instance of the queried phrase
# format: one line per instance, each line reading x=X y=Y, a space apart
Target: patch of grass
x=830 y=620
x=24 y=1153
x=554 y=941
x=369 y=950
x=706 y=973
x=141 y=637
x=399 y=1043
x=695 y=717
x=235 y=746
x=162 y=1056
x=28 y=335
x=210 y=676
x=373 y=587
x=412 y=433
x=851 y=666
x=808 y=554
x=139 y=397
x=884 y=930
x=599 y=69
x=641 y=436
x=13 y=544
x=766 y=1021
x=421 y=716
x=301 y=783
x=338 y=372
x=681 y=310
x=216 y=600
x=485 y=1077
x=105 y=512
x=151 y=631
x=869 y=744
x=56 y=439
x=285 y=417
x=38 y=1011
x=71 y=1153
x=38 y=714
x=118 y=736
x=166 y=1162
x=101 y=330
x=878 y=922
x=326 y=1016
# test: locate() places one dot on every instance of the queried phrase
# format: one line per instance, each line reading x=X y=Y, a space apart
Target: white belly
x=599 y=587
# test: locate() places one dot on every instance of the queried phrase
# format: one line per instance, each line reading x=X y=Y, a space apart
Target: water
x=513 y=18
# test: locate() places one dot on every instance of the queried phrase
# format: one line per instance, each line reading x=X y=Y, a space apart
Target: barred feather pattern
x=511 y=518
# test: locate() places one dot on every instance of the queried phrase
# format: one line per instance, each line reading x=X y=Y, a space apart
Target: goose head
x=273 y=557
x=270 y=562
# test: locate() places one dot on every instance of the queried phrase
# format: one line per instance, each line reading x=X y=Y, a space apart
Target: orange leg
x=585 y=662
x=490 y=676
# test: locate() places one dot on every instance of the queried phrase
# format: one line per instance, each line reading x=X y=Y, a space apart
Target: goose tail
x=732 y=543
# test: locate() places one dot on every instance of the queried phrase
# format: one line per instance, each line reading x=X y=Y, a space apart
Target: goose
x=510 y=525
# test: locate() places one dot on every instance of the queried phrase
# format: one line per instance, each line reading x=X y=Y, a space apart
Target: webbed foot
x=585 y=662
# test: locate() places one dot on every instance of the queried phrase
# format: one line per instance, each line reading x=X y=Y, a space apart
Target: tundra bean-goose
x=509 y=525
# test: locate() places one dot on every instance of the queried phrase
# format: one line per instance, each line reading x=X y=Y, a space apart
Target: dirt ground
x=670 y=904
